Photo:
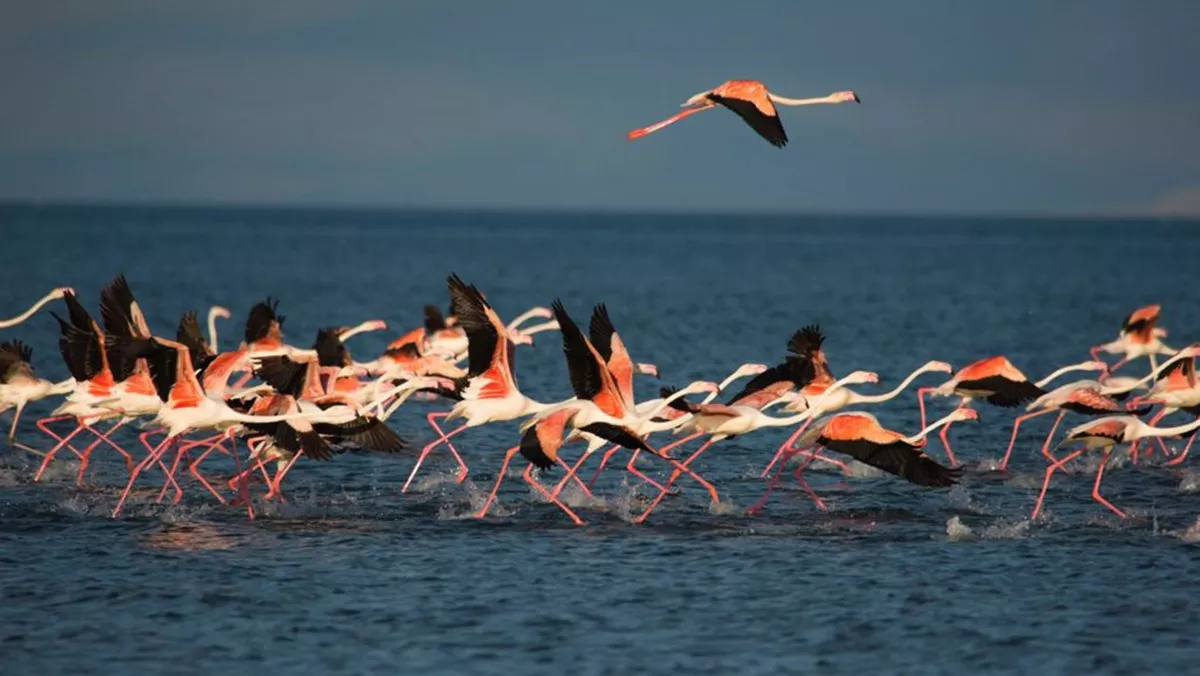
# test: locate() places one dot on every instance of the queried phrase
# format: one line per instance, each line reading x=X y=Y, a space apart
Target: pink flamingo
x=752 y=102
x=1139 y=337
x=48 y=298
x=859 y=435
x=997 y=381
x=1104 y=433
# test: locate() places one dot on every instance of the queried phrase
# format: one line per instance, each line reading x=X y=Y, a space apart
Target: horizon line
x=334 y=207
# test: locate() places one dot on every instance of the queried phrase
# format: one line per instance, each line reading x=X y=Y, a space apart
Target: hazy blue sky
x=1063 y=106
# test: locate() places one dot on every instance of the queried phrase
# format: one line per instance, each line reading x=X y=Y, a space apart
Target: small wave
x=1191 y=534
x=1189 y=483
x=957 y=531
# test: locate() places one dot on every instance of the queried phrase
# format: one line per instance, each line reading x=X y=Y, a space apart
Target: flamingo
x=489 y=392
x=599 y=409
x=645 y=408
x=842 y=398
x=48 y=298
x=186 y=407
x=1176 y=390
x=859 y=435
x=721 y=421
x=1104 y=433
x=752 y=102
x=996 y=380
x=19 y=385
x=82 y=346
x=1088 y=397
x=1138 y=337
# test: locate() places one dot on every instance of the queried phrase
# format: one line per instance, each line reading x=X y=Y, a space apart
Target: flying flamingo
x=1138 y=337
x=997 y=381
x=752 y=102
x=48 y=298
x=722 y=421
x=859 y=435
x=1105 y=433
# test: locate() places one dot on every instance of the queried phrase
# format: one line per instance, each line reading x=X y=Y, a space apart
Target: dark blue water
x=351 y=576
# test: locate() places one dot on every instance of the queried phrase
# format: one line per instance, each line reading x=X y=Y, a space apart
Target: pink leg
x=193 y=469
x=1054 y=467
x=105 y=437
x=1096 y=487
x=1183 y=455
x=680 y=468
x=571 y=472
x=799 y=474
x=1095 y=352
x=443 y=437
x=603 y=461
x=274 y=485
x=631 y=467
x=542 y=489
x=1133 y=448
x=243 y=380
x=1050 y=437
x=1013 y=439
x=1117 y=365
x=508 y=456
x=429 y=447
x=783 y=448
x=946 y=442
x=62 y=441
x=150 y=458
x=179 y=452
x=815 y=454
x=921 y=392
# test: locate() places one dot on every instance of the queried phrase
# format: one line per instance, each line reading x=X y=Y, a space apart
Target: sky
x=1075 y=107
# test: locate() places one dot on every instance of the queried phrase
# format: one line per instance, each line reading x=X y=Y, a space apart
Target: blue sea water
x=350 y=576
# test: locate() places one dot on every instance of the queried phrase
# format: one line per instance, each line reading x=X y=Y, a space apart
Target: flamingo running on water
x=752 y=102
x=722 y=421
x=1105 y=433
x=19 y=385
x=859 y=435
x=998 y=382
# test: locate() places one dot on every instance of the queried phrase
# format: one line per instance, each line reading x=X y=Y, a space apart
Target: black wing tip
x=531 y=449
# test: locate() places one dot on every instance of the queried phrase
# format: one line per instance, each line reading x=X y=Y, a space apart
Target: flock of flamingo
x=290 y=402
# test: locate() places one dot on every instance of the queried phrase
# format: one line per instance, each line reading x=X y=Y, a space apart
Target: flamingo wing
x=81 y=350
x=1004 y=391
x=767 y=123
x=612 y=350
x=119 y=311
x=590 y=378
x=189 y=334
x=488 y=348
x=264 y=322
x=896 y=457
x=14 y=361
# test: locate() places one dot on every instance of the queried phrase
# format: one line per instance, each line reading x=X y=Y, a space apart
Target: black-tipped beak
x=856 y=99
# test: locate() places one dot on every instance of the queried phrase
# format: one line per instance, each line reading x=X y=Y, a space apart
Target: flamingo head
x=64 y=290
x=861 y=377
x=519 y=338
x=220 y=311
x=702 y=386
x=373 y=325
x=844 y=97
x=1159 y=332
x=750 y=370
x=697 y=100
x=960 y=414
x=1094 y=366
x=939 y=366
x=648 y=370
x=541 y=312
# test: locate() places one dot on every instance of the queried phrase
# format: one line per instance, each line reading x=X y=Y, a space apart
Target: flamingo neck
x=939 y=423
x=53 y=295
x=857 y=398
x=1082 y=366
x=361 y=328
x=1145 y=430
x=212 y=329
x=524 y=317
x=1154 y=373
x=784 y=101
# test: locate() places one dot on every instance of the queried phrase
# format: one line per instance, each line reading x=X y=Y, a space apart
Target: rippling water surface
x=351 y=576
